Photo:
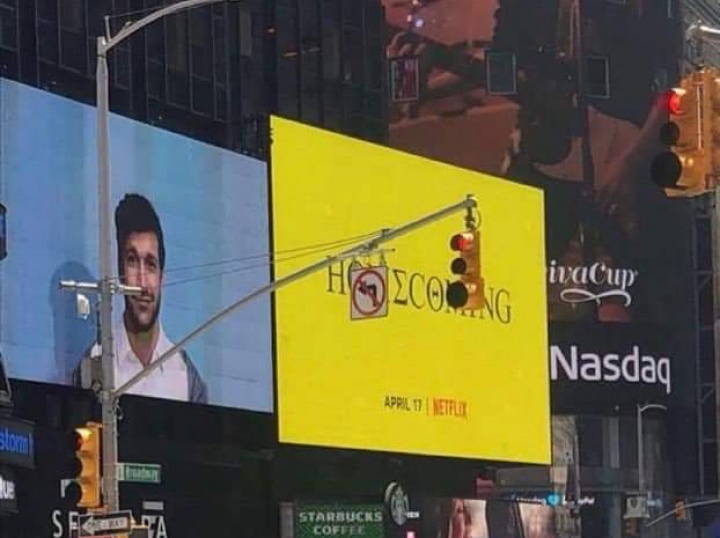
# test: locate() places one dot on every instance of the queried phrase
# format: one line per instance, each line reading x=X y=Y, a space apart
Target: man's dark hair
x=135 y=214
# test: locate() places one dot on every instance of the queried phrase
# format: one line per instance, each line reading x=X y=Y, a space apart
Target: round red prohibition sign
x=368 y=293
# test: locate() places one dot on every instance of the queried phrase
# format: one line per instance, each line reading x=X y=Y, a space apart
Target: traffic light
x=680 y=511
x=88 y=445
x=713 y=99
x=468 y=292
x=631 y=527
x=684 y=168
x=680 y=165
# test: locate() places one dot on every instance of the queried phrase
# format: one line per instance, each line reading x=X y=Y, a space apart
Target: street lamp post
x=642 y=487
x=107 y=287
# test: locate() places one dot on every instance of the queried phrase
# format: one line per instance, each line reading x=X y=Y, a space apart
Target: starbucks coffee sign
x=338 y=520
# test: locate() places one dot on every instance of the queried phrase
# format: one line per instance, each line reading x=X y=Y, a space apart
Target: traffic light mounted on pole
x=467 y=293
x=712 y=93
x=87 y=451
x=680 y=165
x=686 y=166
x=631 y=527
x=680 y=511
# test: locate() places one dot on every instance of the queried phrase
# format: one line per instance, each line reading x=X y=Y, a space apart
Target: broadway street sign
x=139 y=472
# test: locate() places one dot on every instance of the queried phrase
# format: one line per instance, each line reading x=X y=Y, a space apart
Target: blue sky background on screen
x=213 y=208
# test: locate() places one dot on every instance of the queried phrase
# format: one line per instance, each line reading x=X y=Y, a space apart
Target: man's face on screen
x=141 y=267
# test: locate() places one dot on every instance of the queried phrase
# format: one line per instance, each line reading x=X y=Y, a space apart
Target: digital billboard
x=500 y=89
x=190 y=227
x=422 y=378
x=485 y=518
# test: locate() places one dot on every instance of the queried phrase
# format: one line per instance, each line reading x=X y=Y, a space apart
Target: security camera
x=82 y=306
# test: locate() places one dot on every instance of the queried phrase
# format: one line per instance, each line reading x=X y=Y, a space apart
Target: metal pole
x=642 y=486
x=640 y=452
x=109 y=418
x=386 y=235
x=686 y=505
x=107 y=287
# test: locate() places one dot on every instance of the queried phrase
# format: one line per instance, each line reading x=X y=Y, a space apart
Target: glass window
x=590 y=435
x=73 y=53
x=155 y=79
x=176 y=54
x=352 y=14
x=178 y=91
x=176 y=42
x=245 y=31
x=201 y=43
x=221 y=103
x=330 y=49
x=8 y=26
x=121 y=65
x=598 y=77
x=203 y=96
x=71 y=15
x=374 y=63
x=309 y=61
x=352 y=56
x=219 y=52
x=47 y=30
x=154 y=36
x=287 y=62
x=501 y=73
x=628 y=443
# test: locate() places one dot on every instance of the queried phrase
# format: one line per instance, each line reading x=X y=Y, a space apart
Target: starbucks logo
x=397 y=503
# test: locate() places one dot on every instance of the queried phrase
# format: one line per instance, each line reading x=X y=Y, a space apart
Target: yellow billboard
x=412 y=375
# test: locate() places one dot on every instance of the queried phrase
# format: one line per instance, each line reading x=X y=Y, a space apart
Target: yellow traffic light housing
x=685 y=168
x=631 y=527
x=680 y=511
x=89 y=444
x=467 y=293
x=713 y=122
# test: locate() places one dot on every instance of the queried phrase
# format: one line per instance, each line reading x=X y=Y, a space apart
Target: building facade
x=563 y=95
x=550 y=94
x=211 y=74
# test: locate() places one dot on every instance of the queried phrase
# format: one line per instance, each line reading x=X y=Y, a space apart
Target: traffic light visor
x=671 y=100
x=81 y=435
x=462 y=241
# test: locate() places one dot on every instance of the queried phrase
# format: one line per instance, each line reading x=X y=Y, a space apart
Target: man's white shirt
x=170 y=380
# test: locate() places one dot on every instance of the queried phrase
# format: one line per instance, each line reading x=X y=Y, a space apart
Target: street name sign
x=148 y=473
x=105 y=524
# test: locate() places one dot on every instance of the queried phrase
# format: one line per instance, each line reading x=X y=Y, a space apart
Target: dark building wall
x=215 y=72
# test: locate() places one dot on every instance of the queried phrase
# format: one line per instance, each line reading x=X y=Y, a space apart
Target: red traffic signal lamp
x=468 y=292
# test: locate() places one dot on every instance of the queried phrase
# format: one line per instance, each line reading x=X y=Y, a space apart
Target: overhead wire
x=278 y=257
